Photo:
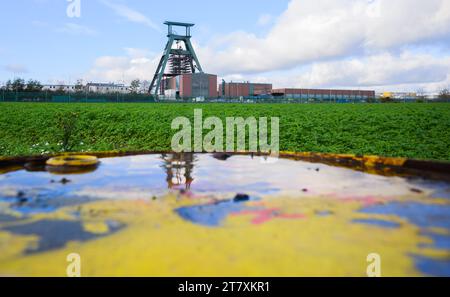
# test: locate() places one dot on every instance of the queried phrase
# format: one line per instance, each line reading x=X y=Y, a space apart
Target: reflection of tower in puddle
x=179 y=169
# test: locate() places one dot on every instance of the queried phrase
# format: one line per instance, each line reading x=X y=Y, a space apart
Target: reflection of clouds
x=131 y=165
x=118 y=193
x=8 y=191
x=142 y=163
x=291 y=176
x=136 y=177
x=13 y=186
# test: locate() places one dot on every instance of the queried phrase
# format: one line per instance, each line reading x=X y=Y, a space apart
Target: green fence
x=11 y=96
x=60 y=97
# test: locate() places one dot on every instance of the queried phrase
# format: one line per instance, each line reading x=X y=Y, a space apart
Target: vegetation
x=66 y=122
x=79 y=87
x=19 y=85
x=406 y=130
x=444 y=94
x=134 y=86
x=34 y=86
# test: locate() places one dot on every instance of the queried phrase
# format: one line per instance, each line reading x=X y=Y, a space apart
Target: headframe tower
x=181 y=57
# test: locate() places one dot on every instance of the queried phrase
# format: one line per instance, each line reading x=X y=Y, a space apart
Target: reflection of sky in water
x=144 y=176
x=291 y=177
x=420 y=214
x=139 y=176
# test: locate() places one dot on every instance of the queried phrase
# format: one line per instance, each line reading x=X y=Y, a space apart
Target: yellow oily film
x=210 y=215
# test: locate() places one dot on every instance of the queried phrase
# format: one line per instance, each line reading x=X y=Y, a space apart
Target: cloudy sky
x=401 y=45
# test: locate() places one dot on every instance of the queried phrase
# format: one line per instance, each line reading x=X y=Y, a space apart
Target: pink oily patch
x=264 y=215
x=366 y=201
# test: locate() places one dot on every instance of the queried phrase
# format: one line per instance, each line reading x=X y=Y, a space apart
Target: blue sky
x=36 y=40
x=379 y=44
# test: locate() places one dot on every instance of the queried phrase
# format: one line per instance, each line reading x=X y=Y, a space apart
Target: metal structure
x=179 y=54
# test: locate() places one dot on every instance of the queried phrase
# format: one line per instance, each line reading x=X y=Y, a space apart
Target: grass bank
x=399 y=130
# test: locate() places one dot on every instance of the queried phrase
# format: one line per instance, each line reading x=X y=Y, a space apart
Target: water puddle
x=205 y=214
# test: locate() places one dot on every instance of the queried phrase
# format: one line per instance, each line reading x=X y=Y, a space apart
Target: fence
x=82 y=97
x=87 y=97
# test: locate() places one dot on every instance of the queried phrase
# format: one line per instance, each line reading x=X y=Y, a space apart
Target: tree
x=444 y=94
x=79 y=85
x=18 y=85
x=135 y=84
x=145 y=85
x=34 y=86
x=60 y=89
x=420 y=93
x=8 y=85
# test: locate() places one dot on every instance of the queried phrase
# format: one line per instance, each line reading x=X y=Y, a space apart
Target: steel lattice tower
x=181 y=58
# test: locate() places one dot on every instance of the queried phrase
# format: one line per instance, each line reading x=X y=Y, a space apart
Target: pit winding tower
x=179 y=54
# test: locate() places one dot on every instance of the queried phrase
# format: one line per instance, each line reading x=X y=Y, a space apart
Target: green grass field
x=405 y=130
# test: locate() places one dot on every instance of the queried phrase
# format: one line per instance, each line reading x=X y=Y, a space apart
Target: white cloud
x=408 y=21
x=406 y=71
x=16 y=68
x=131 y=14
x=265 y=19
x=76 y=29
x=314 y=30
x=135 y=63
x=383 y=70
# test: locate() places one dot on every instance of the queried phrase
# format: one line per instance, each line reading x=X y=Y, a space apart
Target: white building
x=101 y=88
x=59 y=87
x=104 y=88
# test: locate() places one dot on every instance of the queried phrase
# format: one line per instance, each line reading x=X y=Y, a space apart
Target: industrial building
x=324 y=94
x=245 y=89
x=191 y=85
x=184 y=76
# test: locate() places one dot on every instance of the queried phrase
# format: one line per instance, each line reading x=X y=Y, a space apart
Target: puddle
x=238 y=211
x=137 y=177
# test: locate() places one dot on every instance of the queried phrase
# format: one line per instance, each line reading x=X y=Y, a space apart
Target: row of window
x=59 y=87
x=73 y=88
x=332 y=96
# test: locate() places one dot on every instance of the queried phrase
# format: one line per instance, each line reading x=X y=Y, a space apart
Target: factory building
x=191 y=85
x=324 y=94
x=243 y=89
